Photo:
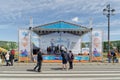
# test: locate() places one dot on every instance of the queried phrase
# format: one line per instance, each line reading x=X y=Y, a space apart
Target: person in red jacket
x=12 y=53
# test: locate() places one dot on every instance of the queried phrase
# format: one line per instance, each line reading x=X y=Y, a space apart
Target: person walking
x=64 y=59
x=70 y=59
x=39 y=61
x=116 y=57
x=113 y=56
x=11 y=58
x=109 y=57
x=7 y=56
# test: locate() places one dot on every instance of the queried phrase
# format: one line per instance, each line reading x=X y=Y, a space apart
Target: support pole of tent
x=91 y=53
x=18 y=46
x=29 y=52
x=90 y=36
x=39 y=42
x=31 y=46
x=102 y=48
x=81 y=45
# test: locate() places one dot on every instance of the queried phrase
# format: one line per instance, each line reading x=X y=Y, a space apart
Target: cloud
x=18 y=12
x=114 y=23
x=75 y=19
x=17 y=9
x=64 y=5
x=13 y=10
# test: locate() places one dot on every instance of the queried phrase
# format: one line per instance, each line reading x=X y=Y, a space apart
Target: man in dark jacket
x=39 y=61
x=64 y=59
x=11 y=58
x=70 y=59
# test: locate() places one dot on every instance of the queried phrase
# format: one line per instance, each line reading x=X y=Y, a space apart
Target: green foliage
x=8 y=45
x=83 y=45
x=112 y=44
x=105 y=45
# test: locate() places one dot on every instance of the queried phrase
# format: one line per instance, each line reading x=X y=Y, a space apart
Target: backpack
x=72 y=56
x=65 y=56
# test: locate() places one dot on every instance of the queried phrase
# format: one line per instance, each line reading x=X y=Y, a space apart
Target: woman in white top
x=7 y=56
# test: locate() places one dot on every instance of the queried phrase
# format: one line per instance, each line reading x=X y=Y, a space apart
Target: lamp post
x=108 y=12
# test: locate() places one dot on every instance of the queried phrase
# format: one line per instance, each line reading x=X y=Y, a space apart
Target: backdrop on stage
x=51 y=43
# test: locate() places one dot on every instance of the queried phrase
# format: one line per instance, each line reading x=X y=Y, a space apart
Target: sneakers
x=39 y=71
x=34 y=70
x=65 y=69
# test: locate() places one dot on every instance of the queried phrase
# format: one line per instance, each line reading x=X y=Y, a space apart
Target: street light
x=108 y=11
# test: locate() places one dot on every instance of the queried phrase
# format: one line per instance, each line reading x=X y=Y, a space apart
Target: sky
x=15 y=14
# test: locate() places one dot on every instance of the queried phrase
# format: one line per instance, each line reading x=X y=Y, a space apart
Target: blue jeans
x=109 y=60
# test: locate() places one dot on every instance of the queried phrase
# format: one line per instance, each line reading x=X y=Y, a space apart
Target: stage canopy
x=60 y=26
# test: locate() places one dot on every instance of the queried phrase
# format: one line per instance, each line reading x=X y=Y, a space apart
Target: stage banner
x=24 y=44
x=97 y=45
x=58 y=57
x=52 y=43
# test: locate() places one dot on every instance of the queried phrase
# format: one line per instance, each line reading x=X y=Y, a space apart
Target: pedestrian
x=13 y=51
x=64 y=59
x=7 y=56
x=113 y=55
x=70 y=59
x=117 y=56
x=39 y=61
x=11 y=58
x=109 y=57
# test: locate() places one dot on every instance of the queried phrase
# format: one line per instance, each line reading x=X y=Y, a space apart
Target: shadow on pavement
x=4 y=65
x=31 y=70
x=56 y=68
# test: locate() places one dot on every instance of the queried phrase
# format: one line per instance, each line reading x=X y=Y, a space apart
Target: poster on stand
x=24 y=44
x=97 y=45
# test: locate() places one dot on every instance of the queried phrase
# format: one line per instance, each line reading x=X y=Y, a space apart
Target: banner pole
x=18 y=46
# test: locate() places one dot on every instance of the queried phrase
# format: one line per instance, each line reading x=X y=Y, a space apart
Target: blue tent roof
x=60 y=26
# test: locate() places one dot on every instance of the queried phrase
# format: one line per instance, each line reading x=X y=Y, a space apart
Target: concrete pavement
x=53 y=71
x=58 y=66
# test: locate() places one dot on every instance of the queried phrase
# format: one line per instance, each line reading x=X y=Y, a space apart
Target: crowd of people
x=113 y=56
x=66 y=57
x=55 y=49
x=8 y=57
